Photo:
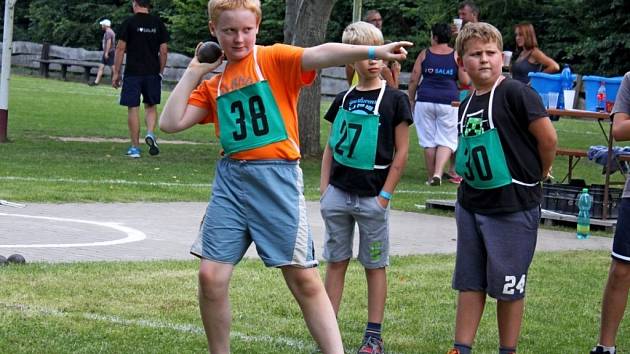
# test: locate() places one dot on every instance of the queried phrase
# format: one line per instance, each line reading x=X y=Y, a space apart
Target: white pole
x=5 y=73
x=356 y=10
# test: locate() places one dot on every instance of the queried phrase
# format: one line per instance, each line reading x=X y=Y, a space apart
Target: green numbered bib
x=480 y=159
x=249 y=117
x=354 y=136
x=481 y=162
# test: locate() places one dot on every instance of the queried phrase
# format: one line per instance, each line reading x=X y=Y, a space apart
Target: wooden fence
x=30 y=55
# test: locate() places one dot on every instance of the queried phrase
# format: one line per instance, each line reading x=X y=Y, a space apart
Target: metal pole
x=5 y=73
x=356 y=10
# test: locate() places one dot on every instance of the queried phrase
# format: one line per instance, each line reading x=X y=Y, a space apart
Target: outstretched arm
x=335 y=54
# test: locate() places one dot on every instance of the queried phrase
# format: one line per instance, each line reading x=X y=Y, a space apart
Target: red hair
x=529 y=35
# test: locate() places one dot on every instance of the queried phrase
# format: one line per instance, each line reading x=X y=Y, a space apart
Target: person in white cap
x=109 y=50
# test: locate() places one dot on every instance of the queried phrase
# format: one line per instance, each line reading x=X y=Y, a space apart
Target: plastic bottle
x=585 y=201
x=566 y=81
x=601 y=97
x=567 y=78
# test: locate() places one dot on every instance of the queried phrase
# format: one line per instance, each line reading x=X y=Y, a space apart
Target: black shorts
x=621 y=244
x=110 y=59
x=149 y=86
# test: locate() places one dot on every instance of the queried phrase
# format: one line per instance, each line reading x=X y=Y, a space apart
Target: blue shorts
x=341 y=211
x=621 y=244
x=494 y=252
x=149 y=86
x=257 y=201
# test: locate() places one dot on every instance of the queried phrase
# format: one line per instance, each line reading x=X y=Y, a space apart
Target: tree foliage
x=590 y=35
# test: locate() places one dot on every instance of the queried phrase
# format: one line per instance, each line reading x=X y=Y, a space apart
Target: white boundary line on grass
x=170 y=184
x=133 y=235
x=105 y=181
x=185 y=328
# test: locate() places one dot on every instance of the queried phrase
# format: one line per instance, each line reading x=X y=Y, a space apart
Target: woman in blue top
x=436 y=119
x=529 y=58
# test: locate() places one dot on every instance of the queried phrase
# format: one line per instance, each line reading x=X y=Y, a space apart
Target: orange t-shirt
x=281 y=66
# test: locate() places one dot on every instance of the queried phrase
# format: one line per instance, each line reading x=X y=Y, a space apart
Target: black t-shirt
x=515 y=106
x=394 y=110
x=143 y=33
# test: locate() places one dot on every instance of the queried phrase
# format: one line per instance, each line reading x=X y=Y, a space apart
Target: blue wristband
x=371 y=53
x=385 y=195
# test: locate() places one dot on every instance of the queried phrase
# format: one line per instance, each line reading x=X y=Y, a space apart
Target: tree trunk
x=290 y=16
x=309 y=30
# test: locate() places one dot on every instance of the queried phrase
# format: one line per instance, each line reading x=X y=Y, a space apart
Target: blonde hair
x=478 y=30
x=216 y=7
x=362 y=33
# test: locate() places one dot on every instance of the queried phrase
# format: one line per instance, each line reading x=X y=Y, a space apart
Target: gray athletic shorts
x=494 y=252
x=340 y=211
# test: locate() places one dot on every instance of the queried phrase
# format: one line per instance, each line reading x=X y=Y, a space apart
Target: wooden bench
x=44 y=67
x=578 y=155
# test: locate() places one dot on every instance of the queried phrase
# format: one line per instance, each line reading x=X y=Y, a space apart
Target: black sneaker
x=600 y=350
x=92 y=83
x=153 y=146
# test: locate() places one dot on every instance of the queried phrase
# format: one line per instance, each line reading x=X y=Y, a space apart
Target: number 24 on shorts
x=511 y=284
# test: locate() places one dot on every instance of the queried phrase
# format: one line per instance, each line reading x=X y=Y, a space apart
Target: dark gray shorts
x=621 y=244
x=341 y=211
x=494 y=252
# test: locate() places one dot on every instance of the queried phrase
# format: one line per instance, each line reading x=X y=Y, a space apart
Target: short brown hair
x=362 y=33
x=479 y=30
x=529 y=35
x=216 y=7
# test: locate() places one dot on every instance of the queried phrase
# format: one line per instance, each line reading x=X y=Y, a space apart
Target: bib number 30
x=480 y=162
x=259 y=122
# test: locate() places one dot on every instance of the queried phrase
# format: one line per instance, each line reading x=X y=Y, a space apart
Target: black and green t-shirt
x=515 y=106
x=394 y=109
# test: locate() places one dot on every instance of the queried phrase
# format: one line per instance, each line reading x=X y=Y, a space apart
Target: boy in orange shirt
x=257 y=194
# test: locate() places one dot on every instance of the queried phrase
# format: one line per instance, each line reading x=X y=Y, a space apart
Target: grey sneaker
x=372 y=345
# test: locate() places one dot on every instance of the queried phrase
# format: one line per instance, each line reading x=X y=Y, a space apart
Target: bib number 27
x=356 y=128
x=259 y=122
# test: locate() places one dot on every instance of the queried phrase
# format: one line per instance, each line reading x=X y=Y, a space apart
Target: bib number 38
x=259 y=123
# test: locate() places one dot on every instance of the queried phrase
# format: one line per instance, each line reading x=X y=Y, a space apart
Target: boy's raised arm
x=335 y=54
x=177 y=114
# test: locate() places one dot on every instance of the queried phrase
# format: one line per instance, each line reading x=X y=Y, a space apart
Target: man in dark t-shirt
x=143 y=37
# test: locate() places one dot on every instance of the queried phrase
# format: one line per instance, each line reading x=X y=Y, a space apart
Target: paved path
x=142 y=231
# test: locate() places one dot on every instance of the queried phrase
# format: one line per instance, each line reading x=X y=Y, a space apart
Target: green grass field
x=151 y=307
x=63 y=149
